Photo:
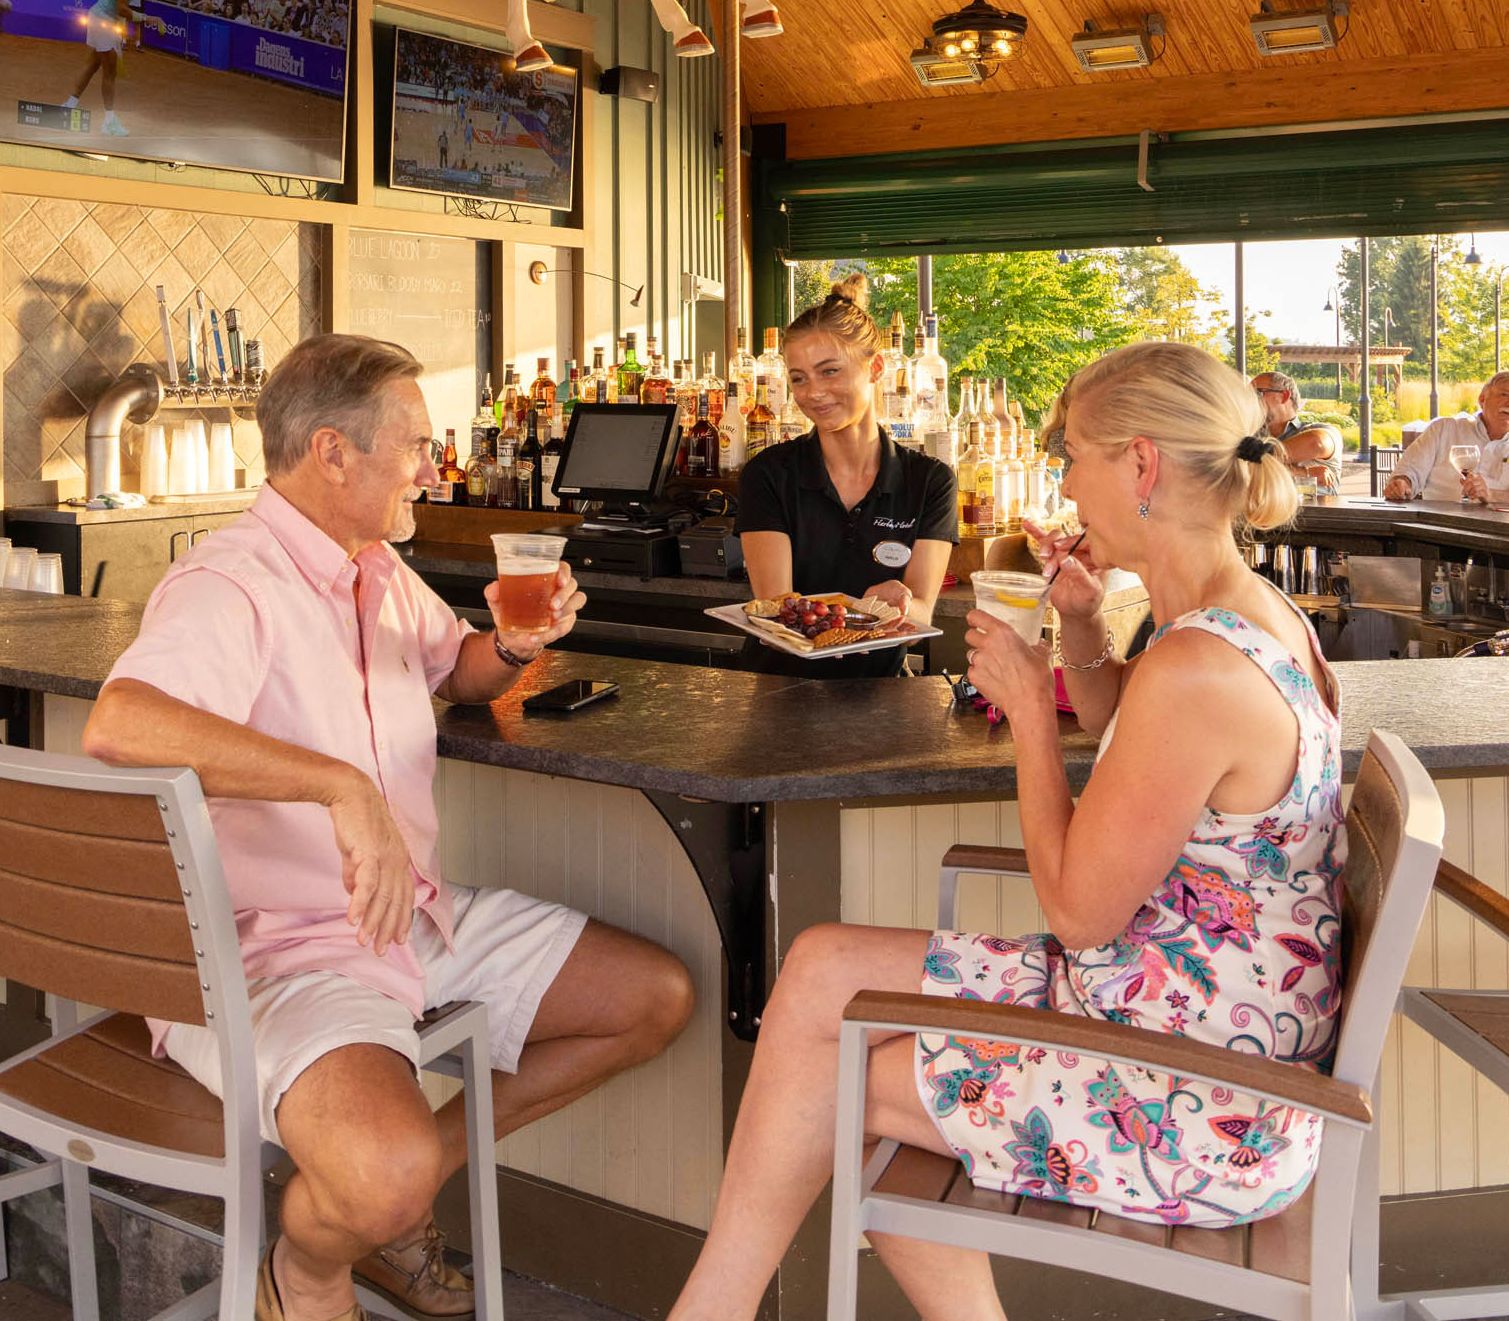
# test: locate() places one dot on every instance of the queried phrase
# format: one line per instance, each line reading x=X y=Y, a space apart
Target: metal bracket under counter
x=725 y=843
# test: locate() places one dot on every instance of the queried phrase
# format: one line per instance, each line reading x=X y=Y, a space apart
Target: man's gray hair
x=1498 y=378
x=328 y=381
x=1283 y=381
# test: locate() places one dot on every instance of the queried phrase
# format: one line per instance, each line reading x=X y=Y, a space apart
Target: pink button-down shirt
x=263 y=623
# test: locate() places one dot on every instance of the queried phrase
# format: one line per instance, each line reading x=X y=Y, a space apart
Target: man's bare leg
x=369 y=1164
x=617 y=1001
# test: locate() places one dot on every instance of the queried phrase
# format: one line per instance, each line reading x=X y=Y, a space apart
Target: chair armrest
x=1460 y=887
x=1317 y=1093
x=987 y=858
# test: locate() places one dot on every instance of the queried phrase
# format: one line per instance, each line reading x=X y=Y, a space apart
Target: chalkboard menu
x=432 y=296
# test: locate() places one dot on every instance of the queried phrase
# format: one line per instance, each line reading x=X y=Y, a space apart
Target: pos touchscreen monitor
x=620 y=454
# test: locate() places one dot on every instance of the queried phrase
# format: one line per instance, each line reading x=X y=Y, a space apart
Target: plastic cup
x=527 y=565
x=4 y=555
x=1018 y=599
x=18 y=567
x=47 y=573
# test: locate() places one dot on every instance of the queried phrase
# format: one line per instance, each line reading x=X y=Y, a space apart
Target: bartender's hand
x=1014 y=678
x=375 y=865
x=565 y=601
x=1399 y=489
x=1475 y=487
x=893 y=592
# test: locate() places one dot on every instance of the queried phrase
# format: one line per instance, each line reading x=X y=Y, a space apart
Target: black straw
x=1067 y=554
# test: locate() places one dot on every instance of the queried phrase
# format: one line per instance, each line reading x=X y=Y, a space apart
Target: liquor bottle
x=630 y=373
x=550 y=461
x=793 y=421
x=1000 y=406
x=609 y=395
x=761 y=427
x=702 y=443
x=969 y=518
x=1024 y=437
x=657 y=387
x=901 y=423
x=893 y=364
x=1013 y=491
x=688 y=397
x=450 y=470
x=771 y=368
x=592 y=381
x=930 y=375
x=713 y=387
x=542 y=391
x=742 y=371
x=966 y=406
x=508 y=405
x=573 y=391
x=986 y=513
x=482 y=424
x=732 y=450
x=531 y=459
x=508 y=473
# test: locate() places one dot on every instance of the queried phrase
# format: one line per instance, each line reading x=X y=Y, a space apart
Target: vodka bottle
x=742 y=372
x=771 y=368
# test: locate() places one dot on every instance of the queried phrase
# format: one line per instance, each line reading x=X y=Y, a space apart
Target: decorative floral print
x=1240 y=945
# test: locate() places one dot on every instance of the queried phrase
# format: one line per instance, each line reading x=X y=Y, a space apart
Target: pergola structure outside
x=1385 y=362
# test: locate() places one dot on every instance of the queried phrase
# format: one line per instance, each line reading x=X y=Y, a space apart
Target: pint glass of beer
x=527 y=565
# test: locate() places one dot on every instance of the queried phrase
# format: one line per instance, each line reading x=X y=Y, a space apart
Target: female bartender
x=843 y=508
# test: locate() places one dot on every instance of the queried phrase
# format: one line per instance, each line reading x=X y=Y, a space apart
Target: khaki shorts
x=509 y=947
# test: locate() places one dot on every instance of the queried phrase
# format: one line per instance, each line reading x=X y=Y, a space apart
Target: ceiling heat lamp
x=1099 y=51
x=968 y=45
x=1300 y=32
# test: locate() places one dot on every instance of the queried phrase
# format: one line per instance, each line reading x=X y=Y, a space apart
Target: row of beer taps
x=239 y=380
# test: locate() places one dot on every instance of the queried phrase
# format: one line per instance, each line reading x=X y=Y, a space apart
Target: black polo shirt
x=786 y=488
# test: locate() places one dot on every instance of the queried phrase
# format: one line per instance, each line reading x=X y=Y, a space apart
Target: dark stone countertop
x=736 y=737
x=1417 y=520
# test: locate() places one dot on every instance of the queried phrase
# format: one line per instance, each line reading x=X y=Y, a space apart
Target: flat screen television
x=252 y=85
x=467 y=123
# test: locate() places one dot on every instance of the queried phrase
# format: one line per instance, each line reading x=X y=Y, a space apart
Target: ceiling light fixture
x=967 y=46
x=1299 y=32
x=1098 y=50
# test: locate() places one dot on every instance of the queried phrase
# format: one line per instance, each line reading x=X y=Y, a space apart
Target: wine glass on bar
x=1465 y=459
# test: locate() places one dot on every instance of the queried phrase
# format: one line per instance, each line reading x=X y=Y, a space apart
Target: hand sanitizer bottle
x=1439 y=606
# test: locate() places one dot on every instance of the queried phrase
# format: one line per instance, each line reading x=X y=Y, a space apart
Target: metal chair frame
x=453 y=1041
x=1400 y=791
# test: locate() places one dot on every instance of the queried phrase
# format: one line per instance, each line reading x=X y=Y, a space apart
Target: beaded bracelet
x=1110 y=649
x=507 y=657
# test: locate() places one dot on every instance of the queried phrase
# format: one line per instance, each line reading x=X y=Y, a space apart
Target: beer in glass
x=527 y=565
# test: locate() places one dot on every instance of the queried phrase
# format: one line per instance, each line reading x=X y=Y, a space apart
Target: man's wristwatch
x=507 y=657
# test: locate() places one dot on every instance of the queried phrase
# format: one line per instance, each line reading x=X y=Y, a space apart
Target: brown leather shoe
x=270 y=1306
x=416 y=1278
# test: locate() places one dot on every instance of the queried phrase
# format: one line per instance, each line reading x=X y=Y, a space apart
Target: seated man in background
x=289 y=659
x=1425 y=470
x=1312 y=448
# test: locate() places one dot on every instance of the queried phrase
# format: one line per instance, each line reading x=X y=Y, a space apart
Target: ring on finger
x=971 y=657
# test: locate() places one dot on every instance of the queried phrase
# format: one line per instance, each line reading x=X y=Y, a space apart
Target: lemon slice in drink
x=1017 y=602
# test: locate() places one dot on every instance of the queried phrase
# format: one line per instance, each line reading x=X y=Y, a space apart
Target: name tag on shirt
x=892 y=554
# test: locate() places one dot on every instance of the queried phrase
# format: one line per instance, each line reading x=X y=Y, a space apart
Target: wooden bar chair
x=111 y=894
x=1475 y=1026
x=1293 y=1265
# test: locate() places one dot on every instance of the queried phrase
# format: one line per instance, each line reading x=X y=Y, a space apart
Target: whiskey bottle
x=531 y=460
x=543 y=389
x=702 y=444
x=761 y=426
x=657 y=386
x=450 y=470
x=630 y=373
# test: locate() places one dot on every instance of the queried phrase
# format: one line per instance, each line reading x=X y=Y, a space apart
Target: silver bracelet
x=1110 y=650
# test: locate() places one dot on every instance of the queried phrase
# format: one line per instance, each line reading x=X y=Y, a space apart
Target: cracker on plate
x=840 y=637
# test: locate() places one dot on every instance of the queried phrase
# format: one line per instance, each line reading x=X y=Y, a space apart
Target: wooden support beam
x=1438 y=83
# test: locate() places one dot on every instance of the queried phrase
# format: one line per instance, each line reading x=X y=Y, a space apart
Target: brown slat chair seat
x=106 y=1080
x=1486 y=1015
x=1277 y=1246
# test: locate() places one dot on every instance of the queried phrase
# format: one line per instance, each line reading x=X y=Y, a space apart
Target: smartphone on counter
x=571 y=696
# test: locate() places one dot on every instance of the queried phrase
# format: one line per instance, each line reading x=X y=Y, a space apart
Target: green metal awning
x=1207 y=187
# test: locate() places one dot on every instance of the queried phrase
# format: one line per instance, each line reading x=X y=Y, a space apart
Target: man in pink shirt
x=290 y=660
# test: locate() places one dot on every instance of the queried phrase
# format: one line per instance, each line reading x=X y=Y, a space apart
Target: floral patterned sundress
x=1240 y=946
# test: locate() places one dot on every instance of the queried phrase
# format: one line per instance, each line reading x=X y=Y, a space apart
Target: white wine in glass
x=1465 y=459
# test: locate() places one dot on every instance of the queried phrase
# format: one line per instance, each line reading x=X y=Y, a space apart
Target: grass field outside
x=1412 y=405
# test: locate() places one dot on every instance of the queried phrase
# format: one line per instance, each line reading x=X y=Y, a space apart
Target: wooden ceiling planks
x=854 y=52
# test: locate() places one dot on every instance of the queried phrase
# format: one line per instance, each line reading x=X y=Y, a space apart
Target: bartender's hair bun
x=843 y=315
x=1197 y=411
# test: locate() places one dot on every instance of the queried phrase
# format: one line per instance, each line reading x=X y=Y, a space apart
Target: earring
x=1142 y=510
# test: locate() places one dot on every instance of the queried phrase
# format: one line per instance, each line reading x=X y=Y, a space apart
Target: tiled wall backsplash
x=79 y=306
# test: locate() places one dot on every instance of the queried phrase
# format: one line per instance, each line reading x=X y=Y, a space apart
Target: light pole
x=1333 y=304
x=1435 y=394
x=1388 y=321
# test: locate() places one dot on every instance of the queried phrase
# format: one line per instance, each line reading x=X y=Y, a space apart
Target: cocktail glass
x=527 y=565
x=1018 y=599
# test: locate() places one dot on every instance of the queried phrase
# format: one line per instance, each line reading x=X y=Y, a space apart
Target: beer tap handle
x=167 y=338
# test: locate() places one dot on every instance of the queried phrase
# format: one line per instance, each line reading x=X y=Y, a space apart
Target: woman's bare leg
x=90 y=69
x=107 y=82
x=943 y=1283
x=781 y=1154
